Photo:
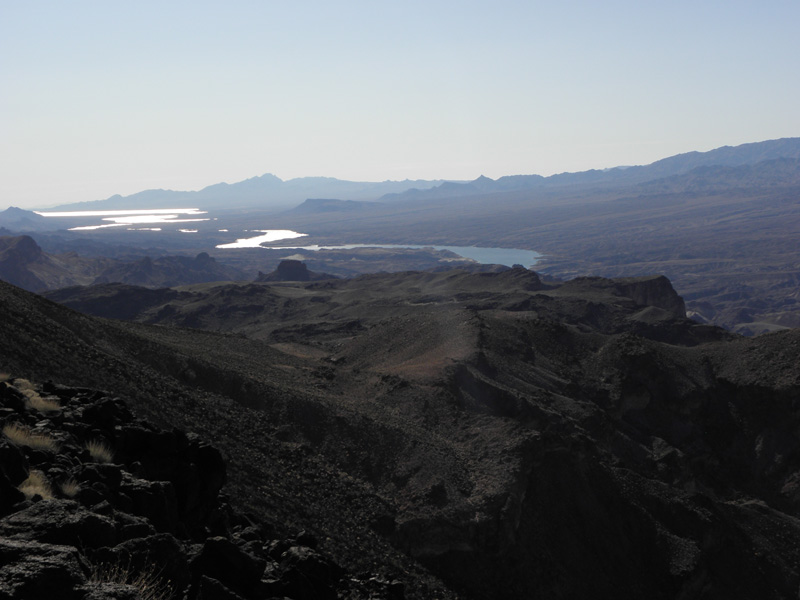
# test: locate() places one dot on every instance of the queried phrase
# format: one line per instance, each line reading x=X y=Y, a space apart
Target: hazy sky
x=106 y=97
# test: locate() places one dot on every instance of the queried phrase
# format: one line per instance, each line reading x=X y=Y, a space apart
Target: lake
x=269 y=235
x=498 y=256
x=166 y=216
x=488 y=256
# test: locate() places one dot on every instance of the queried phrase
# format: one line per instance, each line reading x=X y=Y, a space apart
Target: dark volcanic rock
x=9 y=494
x=61 y=522
x=154 y=500
x=13 y=463
x=35 y=571
x=118 y=541
x=307 y=574
x=222 y=560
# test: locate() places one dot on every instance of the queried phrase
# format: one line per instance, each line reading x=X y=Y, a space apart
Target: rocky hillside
x=25 y=264
x=480 y=435
x=17 y=219
x=169 y=271
x=96 y=504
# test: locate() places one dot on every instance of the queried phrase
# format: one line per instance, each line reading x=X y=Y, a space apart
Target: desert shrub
x=22 y=436
x=36 y=402
x=146 y=583
x=70 y=488
x=100 y=451
x=22 y=384
x=36 y=484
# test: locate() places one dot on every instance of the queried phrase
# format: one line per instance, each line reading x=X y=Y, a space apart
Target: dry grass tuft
x=20 y=435
x=100 y=451
x=22 y=384
x=43 y=404
x=36 y=484
x=70 y=488
x=147 y=584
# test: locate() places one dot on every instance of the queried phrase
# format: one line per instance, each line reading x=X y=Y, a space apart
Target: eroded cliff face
x=634 y=461
x=487 y=431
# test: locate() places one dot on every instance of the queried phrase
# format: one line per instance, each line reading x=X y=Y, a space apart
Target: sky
x=108 y=97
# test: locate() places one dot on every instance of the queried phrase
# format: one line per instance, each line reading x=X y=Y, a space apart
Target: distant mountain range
x=264 y=192
x=270 y=192
x=681 y=164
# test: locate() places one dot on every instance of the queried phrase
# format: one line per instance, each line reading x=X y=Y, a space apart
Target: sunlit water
x=122 y=218
x=270 y=235
x=133 y=218
x=487 y=256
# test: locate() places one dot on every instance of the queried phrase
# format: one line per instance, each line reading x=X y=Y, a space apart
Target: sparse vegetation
x=23 y=384
x=35 y=400
x=146 y=583
x=70 y=488
x=22 y=436
x=40 y=404
x=36 y=485
x=100 y=451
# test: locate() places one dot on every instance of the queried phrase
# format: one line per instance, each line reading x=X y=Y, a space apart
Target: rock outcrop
x=293 y=270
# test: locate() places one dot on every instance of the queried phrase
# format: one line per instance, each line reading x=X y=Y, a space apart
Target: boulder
x=222 y=560
x=59 y=522
x=308 y=575
x=154 y=500
x=31 y=570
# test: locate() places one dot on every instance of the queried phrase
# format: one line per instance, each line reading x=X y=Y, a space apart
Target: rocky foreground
x=95 y=504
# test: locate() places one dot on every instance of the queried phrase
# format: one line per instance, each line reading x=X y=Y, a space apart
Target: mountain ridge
x=726 y=156
x=269 y=191
x=265 y=191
